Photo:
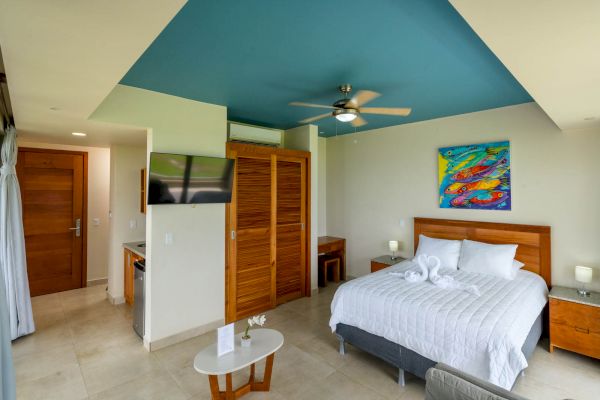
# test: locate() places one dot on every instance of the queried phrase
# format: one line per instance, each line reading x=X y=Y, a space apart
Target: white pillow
x=492 y=259
x=448 y=251
x=516 y=266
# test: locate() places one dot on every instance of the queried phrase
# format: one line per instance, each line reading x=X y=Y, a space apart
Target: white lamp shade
x=583 y=274
x=393 y=244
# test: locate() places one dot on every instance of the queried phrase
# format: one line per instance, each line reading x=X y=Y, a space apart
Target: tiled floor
x=85 y=348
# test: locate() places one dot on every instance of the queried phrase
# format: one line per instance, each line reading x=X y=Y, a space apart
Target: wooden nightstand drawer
x=381 y=262
x=575 y=315
x=376 y=266
x=575 y=339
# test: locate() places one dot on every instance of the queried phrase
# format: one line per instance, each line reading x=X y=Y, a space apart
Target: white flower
x=256 y=320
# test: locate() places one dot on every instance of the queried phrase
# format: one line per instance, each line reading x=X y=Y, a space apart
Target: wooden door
x=53 y=192
x=267 y=228
x=291 y=224
x=251 y=266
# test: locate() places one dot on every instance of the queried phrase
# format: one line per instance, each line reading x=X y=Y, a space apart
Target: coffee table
x=265 y=342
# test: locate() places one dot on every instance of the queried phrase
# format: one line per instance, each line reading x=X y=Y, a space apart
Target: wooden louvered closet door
x=290 y=248
x=253 y=266
x=267 y=231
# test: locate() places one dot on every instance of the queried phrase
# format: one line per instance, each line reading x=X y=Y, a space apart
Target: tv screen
x=184 y=179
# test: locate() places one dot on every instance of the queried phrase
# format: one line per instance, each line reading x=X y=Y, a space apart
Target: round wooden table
x=265 y=342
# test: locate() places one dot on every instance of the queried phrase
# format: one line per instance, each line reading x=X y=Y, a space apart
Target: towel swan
x=415 y=276
x=447 y=281
x=429 y=267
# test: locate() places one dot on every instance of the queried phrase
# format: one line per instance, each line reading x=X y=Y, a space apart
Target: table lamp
x=583 y=275
x=393 y=245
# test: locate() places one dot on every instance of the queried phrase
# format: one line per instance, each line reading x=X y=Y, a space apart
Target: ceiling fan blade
x=358 y=121
x=300 y=104
x=362 y=97
x=403 y=112
x=316 y=118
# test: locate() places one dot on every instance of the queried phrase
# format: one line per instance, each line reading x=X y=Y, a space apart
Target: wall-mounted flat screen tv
x=185 y=179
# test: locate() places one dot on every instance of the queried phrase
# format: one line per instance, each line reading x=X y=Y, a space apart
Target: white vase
x=246 y=342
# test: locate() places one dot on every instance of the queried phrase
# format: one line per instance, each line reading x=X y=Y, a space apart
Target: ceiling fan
x=350 y=109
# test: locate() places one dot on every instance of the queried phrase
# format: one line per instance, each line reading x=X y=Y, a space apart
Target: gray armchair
x=447 y=383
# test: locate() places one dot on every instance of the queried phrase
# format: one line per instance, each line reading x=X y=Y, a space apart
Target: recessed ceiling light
x=79 y=134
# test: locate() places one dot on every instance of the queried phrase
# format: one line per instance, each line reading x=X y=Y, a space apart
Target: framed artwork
x=475 y=176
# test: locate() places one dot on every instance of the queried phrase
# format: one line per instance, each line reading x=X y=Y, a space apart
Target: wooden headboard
x=533 y=240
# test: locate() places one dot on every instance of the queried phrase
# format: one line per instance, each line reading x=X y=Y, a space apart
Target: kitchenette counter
x=136 y=248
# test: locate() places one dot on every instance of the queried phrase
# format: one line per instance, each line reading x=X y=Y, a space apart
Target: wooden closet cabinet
x=267 y=229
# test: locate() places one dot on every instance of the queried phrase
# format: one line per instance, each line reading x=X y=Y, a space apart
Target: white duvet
x=479 y=335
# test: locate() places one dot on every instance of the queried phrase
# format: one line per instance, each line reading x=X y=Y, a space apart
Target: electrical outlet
x=168 y=238
x=96 y=221
x=132 y=224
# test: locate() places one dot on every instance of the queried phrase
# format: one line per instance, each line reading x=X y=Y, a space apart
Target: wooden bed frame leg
x=342 y=345
x=401 y=380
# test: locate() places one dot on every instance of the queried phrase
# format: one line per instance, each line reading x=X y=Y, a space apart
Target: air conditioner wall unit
x=255 y=134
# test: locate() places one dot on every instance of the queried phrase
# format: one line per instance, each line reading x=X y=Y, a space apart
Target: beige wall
x=379 y=180
x=185 y=280
x=127 y=223
x=98 y=199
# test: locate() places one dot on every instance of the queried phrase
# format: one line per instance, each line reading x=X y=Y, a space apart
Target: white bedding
x=479 y=335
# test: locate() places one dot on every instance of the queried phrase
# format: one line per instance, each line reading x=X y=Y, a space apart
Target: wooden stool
x=329 y=268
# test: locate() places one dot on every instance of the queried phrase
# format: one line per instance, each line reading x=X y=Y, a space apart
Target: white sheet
x=482 y=335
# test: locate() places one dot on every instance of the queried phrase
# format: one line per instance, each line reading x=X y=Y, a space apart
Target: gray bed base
x=405 y=359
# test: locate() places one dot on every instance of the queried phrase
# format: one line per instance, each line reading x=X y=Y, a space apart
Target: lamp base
x=583 y=293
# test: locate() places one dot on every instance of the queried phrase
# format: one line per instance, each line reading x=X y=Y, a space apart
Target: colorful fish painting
x=475 y=176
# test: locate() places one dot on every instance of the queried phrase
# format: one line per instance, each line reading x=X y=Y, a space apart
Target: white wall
x=306 y=138
x=322 y=188
x=125 y=165
x=185 y=281
x=98 y=194
x=379 y=180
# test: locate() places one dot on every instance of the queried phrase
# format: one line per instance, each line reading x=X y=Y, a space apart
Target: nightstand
x=575 y=321
x=382 y=262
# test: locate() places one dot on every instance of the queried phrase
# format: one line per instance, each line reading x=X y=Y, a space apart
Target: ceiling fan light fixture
x=345 y=115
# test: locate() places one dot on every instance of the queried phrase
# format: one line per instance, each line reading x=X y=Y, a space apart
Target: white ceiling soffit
x=62 y=58
x=552 y=49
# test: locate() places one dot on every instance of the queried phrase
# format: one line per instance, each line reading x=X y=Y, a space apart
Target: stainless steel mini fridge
x=139 y=297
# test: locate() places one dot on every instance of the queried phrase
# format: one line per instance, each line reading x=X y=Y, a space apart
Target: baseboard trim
x=182 y=336
x=96 y=282
x=115 y=300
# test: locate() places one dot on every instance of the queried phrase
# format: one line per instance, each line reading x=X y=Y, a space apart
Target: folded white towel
x=415 y=275
x=447 y=281
x=429 y=267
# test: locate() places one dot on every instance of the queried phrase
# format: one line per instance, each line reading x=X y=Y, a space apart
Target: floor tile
x=62 y=384
x=156 y=385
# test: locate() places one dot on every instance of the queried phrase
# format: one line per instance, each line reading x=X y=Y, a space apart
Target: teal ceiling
x=255 y=56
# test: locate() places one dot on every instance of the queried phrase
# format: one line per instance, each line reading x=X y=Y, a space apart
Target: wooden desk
x=334 y=246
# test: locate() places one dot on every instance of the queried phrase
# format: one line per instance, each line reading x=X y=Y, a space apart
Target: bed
x=413 y=327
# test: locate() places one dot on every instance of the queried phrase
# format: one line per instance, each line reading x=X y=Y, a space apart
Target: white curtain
x=12 y=242
x=7 y=372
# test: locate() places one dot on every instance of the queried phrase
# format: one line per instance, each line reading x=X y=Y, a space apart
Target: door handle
x=77 y=227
